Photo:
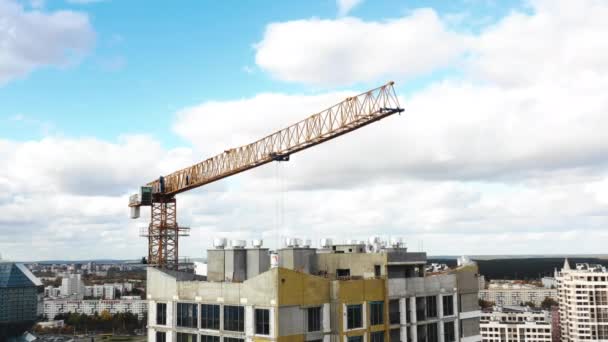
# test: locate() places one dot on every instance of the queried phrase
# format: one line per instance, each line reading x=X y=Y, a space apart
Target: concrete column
x=170 y=315
x=171 y=336
x=455 y=301
x=402 y=311
x=151 y=313
x=403 y=319
x=273 y=326
x=326 y=316
x=151 y=335
x=440 y=306
x=440 y=331
x=414 y=333
x=413 y=318
x=249 y=318
x=457 y=330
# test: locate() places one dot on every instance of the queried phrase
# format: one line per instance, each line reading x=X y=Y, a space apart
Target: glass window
x=355 y=338
x=354 y=316
x=448 y=305
x=234 y=318
x=262 y=321
x=431 y=332
x=161 y=336
x=210 y=338
x=233 y=339
x=393 y=311
x=376 y=313
x=187 y=315
x=420 y=309
x=431 y=306
x=210 y=316
x=182 y=337
x=161 y=313
x=314 y=319
x=377 y=336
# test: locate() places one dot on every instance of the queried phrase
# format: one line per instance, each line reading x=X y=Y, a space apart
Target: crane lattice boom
x=351 y=114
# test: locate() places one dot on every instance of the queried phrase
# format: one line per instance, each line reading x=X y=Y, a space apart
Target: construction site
x=355 y=291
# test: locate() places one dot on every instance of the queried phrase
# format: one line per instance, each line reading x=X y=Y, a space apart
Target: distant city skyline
x=501 y=149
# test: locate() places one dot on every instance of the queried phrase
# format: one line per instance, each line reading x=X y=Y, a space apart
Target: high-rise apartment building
x=516 y=294
x=516 y=323
x=583 y=302
x=340 y=293
x=72 y=285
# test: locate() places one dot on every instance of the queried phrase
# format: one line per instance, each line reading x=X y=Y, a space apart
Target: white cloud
x=511 y=155
x=33 y=39
x=498 y=162
x=350 y=50
x=67 y=197
x=345 y=6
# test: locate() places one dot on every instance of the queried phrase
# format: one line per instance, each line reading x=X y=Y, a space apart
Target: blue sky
x=147 y=62
x=501 y=148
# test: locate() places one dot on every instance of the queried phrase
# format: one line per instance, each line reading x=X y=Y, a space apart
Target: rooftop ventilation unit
x=219 y=243
x=257 y=243
x=238 y=244
x=326 y=243
x=306 y=243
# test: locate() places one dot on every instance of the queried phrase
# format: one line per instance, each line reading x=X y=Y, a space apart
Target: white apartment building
x=516 y=294
x=98 y=291
x=108 y=291
x=72 y=285
x=583 y=302
x=515 y=323
x=53 y=307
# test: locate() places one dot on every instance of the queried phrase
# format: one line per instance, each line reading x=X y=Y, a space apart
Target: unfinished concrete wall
x=258 y=261
x=292 y=321
x=159 y=285
x=421 y=286
x=216 y=265
x=235 y=268
x=470 y=327
x=359 y=264
x=299 y=259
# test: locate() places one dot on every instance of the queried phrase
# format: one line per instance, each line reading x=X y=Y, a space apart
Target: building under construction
x=357 y=292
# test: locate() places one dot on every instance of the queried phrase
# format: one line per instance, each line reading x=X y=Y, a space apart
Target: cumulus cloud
x=67 y=197
x=349 y=50
x=511 y=155
x=508 y=159
x=34 y=39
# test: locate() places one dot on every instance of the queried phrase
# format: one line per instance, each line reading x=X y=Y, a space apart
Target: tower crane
x=163 y=232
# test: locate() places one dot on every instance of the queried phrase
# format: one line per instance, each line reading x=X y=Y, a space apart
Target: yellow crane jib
x=351 y=114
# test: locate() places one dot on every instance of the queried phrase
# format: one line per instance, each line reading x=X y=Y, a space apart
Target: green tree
x=484 y=304
x=548 y=302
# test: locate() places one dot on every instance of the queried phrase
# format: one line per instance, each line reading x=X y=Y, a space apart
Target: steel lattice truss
x=163 y=233
x=348 y=115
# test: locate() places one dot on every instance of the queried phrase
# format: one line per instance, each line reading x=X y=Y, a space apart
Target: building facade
x=54 y=307
x=72 y=285
x=509 y=294
x=516 y=323
x=340 y=293
x=583 y=302
x=18 y=294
